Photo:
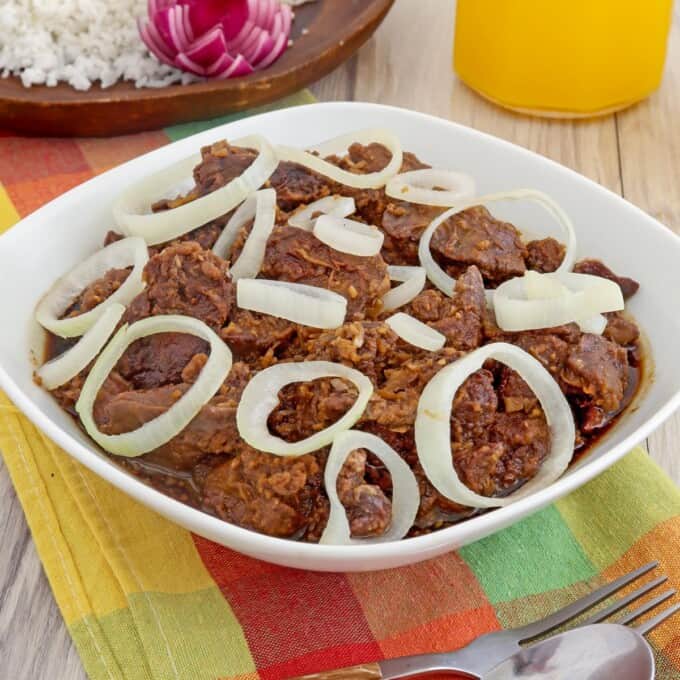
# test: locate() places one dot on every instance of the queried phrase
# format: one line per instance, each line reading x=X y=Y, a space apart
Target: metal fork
x=487 y=651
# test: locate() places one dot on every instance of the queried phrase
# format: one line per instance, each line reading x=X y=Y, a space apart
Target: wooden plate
x=335 y=29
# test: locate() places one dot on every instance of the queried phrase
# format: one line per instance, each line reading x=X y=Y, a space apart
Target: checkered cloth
x=143 y=598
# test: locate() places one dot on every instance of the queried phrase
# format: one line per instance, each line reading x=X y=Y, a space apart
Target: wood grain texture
x=334 y=30
x=390 y=69
x=650 y=171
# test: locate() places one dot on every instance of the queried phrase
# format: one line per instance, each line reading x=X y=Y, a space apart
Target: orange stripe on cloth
x=30 y=195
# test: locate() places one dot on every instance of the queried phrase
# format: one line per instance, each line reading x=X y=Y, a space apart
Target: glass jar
x=566 y=58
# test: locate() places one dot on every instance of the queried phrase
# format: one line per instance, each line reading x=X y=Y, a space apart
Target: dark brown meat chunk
x=621 y=330
x=274 y=495
x=296 y=255
x=296 y=185
x=368 y=509
x=185 y=279
x=97 y=292
x=545 y=255
x=515 y=394
x=306 y=408
x=220 y=163
x=460 y=318
x=596 y=268
x=212 y=431
x=362 y=159
x=474 y=236
x=251 y=335
x=404 y=224
x=368 y=346
x=395 y=401
x=159 y=359
x=494 y=452
x=597 y=371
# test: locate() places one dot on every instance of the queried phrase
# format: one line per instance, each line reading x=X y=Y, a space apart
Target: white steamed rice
x=78 y=42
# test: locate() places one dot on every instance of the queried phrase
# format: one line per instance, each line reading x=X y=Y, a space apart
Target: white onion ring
x=546 y=300
x=349 y=236
x=418 y=186
x=130 y=209
x=338 y=206
x=118 y=255
x=433 y=424
x=250 y=260
x=413 y=282
x=160 y=430
x=338 y=145
x=445 y=283
x=594 y=324
x=297 y=302
x=405 y=491
x=261 y=396
x=242 y=215
x=416 y=332
x=61 y=369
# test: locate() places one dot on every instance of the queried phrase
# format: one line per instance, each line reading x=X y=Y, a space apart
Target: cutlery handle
x=364 y=671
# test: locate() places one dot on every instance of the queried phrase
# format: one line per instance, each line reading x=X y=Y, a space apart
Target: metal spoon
x=600 y=652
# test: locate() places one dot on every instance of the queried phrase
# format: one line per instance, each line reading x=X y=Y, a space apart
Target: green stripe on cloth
x=606 y=529
x=181 y=639
x=535 y=555
x=122 y=637
x=185 y=130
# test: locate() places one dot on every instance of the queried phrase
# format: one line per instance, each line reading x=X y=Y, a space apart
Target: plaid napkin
x=143 y=598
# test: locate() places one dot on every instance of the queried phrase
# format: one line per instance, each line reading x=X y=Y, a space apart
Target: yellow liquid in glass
x=562 y=57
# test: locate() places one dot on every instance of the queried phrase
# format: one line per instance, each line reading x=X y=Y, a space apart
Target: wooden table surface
x=635 y=153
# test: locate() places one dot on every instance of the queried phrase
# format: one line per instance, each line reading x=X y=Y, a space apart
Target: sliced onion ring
x=413 y=282
x=130 y=209
x=338 y=145
x=349 y=236
x=445 y=283
x=416 y=332
x=594 y=324
x=545 y=300
x=418 y=186
x=338 y=206
x=67 y=365
x=262 y=206
x=405 y=491
x=118 y=255
x=261 y=397
x=297 y=302
x=433 y=424
x=162 y=429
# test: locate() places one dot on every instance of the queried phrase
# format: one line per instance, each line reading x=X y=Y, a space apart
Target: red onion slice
x=208 y=48
x=240 y=67
x=219 y=66
x=146 y=29
x=186 y=64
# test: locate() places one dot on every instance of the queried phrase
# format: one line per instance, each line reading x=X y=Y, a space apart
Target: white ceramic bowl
x=49 y=242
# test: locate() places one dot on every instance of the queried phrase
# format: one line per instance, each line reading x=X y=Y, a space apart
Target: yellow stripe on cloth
x=8 y=214
x=22 y=447
x=131 y=585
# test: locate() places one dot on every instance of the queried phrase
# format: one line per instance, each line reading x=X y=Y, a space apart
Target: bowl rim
x=452 y=536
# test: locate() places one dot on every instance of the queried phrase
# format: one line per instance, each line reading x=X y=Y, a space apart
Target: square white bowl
x=50 y=241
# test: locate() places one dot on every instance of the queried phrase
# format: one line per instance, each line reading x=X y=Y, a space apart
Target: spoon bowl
x=597 y=652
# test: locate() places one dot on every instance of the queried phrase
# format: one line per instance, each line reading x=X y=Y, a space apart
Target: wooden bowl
x=335 y=29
